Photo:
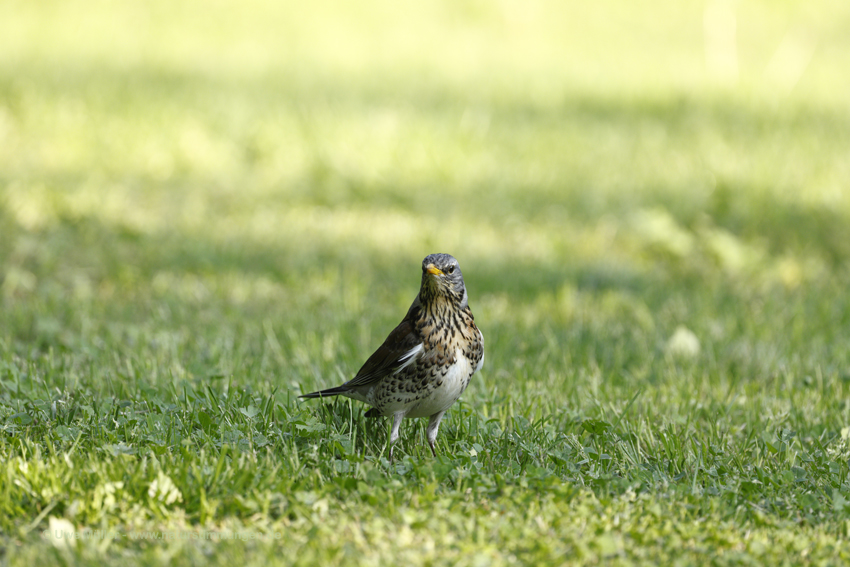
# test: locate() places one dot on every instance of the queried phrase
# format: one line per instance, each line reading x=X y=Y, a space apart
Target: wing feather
x=402 y=347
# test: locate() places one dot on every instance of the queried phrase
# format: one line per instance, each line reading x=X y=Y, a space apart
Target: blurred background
x=271 y=173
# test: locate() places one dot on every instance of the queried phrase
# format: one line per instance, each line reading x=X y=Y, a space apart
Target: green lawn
x=208 y=208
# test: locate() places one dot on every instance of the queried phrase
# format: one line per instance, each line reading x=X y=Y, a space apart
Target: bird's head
x=442 y=279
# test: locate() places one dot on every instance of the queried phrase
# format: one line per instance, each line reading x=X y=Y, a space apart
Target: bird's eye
x=450 y=270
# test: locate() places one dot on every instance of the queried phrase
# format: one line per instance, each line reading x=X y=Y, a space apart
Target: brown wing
x=402 y=347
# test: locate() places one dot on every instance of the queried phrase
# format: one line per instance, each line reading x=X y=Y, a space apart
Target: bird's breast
x=445 y=386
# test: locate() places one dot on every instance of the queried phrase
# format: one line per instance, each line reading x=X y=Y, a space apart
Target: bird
x=427 y=361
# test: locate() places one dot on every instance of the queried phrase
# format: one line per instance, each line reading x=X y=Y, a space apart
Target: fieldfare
x=426 y=362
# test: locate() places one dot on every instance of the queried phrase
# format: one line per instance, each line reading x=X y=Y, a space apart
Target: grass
x=207 y=210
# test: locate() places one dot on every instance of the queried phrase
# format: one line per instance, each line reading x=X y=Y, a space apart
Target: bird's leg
x=433 y=427
x=397 y=417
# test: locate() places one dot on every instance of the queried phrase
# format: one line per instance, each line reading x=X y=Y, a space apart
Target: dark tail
x=326 y=393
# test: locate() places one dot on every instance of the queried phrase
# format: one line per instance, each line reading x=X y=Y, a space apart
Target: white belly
x=454 y=383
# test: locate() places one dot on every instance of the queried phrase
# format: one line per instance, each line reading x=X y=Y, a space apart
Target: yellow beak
x=431 y=269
